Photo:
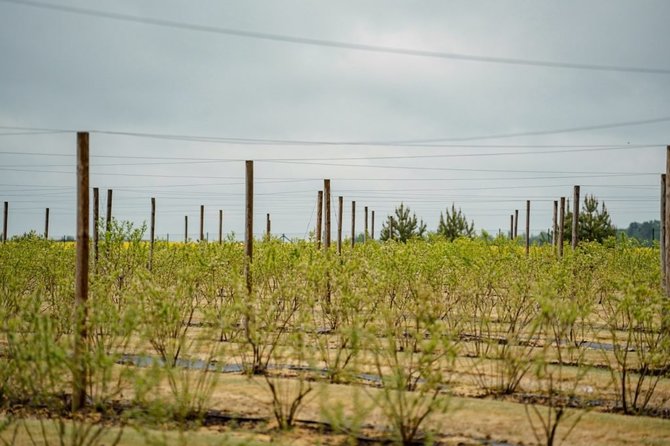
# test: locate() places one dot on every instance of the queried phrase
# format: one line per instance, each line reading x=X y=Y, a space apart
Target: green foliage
x=595 y=223
x=646 y=232
x=454 y=224
x=398 y=321
x=401 y=226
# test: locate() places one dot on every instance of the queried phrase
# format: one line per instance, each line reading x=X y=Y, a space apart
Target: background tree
x=645 y=232
x=404 y=226
x=595 y=223
x=454 y=224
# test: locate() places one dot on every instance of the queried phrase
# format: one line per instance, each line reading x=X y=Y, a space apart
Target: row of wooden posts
x=323 y=197
x=558 y=223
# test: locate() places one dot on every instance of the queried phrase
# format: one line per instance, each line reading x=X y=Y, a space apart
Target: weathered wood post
x=319 y=218
x=666 y=221
x=96 y=221
x=326 y=204
x=5 y=218
x=249 y=223
x=516 y=223
x=365 y=229
x=561 y=229
x=268 y=227
x=353 y=223
x=372 y=227
x=46 y=224
x=527 y=227
x=664 y=258
x=185 y=228
x=202 y=223
x=220 y=226
x=511 y=227
x=340 y=209
x=575 y=218
x=554 y=222
x=152 y=232
x=108 y=222
x=248 y=316
x=81 y=276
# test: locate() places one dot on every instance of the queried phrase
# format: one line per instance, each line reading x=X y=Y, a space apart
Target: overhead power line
x=399 y=143
x=197 y=160
x=283 y=38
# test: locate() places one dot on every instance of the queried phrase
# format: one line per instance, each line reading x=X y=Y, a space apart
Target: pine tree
x=594 y=224
x=404 y=226
x=454 y=224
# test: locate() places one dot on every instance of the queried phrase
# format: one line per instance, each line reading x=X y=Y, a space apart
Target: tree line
x=595 y=224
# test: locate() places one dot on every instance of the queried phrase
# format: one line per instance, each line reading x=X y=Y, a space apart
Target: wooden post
x=96 y=220
x=527 y=227
x=372 y=227
x=46 y=225
x=185 y=228
x=353 y=223
x=365 y=232
x=561 y=228
x=666 y=221
x=664 y=258
x=108 y=224
x=4 y=222
x=326 y=204
x=202 y=223
x=268 y=227
x=340 y=208
x=511 y=227
x=152 y=233
x=249 y=223
x=554 y=234
x=516 y=223
x=220 y=226
x=390 y=228
x=319 y=217
x=575 y=217
x=81 y=276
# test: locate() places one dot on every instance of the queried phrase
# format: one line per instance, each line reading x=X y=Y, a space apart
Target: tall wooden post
x=666 y=221
x=326 y=204
x=353 y=223
x=81 y=276
x=46 y=224
x=365 y=231
x=185 y=228
x=575 y=217
x=664 y=258
x=108 y=222
x=152 y=232
x=511 y=227
x=319 y=218
x=561 y=228
x=5 y=217
x=220 y=226
x=202 y=223
x=96 y=221
x=268 y=227
x=340 y=209
x=372 y=227
x=527 y=227
x=554 y=222
x=249 y=223
x=516 y=223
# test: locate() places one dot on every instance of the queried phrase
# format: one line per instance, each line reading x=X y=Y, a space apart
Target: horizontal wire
x=335 y=44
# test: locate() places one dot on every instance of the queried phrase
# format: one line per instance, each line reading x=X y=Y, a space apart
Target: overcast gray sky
x=72 y=69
